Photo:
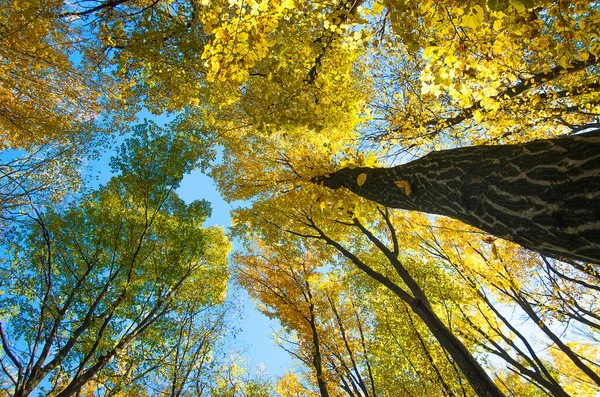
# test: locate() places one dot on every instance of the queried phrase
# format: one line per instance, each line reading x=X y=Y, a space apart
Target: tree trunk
x=317 y=361
x=475 y=374
x=543 y=195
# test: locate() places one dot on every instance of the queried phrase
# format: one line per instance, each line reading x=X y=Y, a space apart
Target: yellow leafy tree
x=344 y=94
x=44 y=96
x=555 y=302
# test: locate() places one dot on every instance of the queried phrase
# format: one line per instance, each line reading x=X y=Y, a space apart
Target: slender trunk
x=574 y=357
x=543 y=195
x=445 y=387
x=317 y=361
x=478 y=378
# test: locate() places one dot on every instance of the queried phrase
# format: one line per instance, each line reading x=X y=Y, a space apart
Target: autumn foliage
x=310 y=114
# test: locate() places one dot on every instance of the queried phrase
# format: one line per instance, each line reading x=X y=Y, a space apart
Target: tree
x=296 y=90
x=45 y=97
x=352 y=334
x=186 y=364
x=542 y=195
x=285 y=290
x=502 y=276
x=120 y=267
x=459 y=91
x=472 y=299
x=340 y=229
x=40 y=177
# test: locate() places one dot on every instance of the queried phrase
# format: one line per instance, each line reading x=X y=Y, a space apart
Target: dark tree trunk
x=317 y=360
x=475 y=374
x=543 y=195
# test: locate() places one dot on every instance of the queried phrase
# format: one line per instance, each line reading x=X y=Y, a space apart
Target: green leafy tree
x=119 y=267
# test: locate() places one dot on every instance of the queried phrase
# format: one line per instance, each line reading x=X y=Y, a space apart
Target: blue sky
x=256 y=329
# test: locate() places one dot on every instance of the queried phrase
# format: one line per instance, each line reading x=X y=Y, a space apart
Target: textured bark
x=543 y=195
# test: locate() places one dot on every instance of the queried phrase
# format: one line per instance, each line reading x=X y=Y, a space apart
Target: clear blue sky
x=256 y=329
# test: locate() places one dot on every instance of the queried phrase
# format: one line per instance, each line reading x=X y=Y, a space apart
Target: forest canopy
x=419 y=179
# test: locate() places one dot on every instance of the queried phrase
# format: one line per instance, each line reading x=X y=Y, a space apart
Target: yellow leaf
x=450 y=60
x=242 y=37
x=474 y=18
x=263 y=6
x=583 y=56
x=361 y=179
x=222 y=34
x=494 y=251
x=214 y=65
x=404 y=186
x=429 y=52
x=377 y=8
x=288 y=4
x=371 y=160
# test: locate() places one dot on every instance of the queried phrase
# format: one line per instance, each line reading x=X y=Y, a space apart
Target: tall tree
x=544 y=195
x=284 y=288
x=346 y=328
x=120 y=266
x=504 y=275
x=459 y=91
x=374 y=248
